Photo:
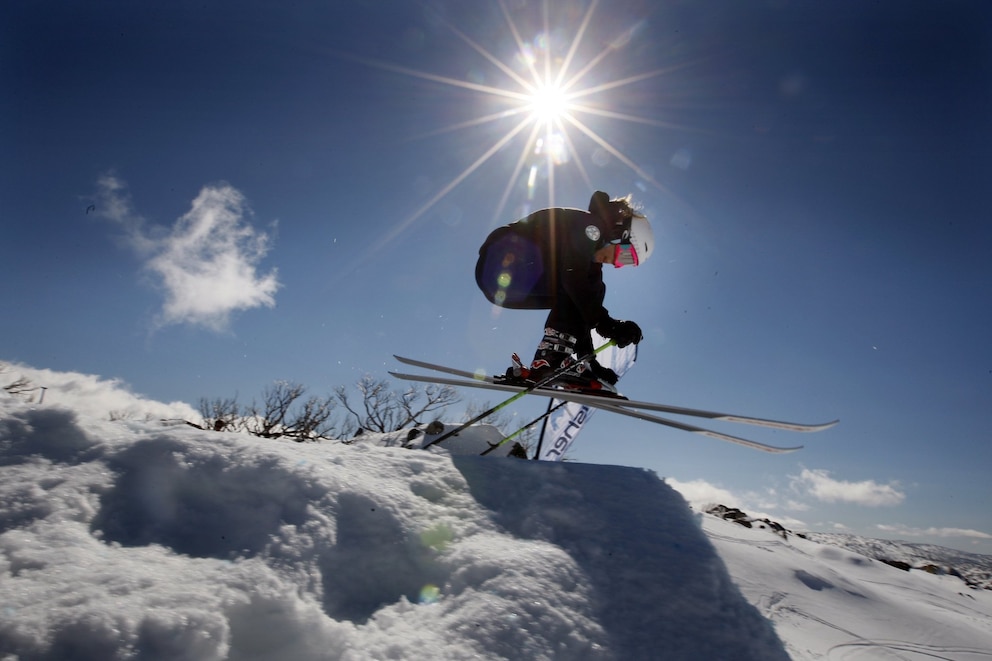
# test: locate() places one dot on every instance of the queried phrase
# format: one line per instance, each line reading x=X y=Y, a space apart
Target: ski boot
x=554 y=359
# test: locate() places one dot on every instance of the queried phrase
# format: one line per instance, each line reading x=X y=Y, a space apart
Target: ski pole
x=530 y=424
x=529 y=389
x=544 y=430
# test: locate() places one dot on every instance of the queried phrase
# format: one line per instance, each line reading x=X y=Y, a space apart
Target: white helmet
x=642 y=238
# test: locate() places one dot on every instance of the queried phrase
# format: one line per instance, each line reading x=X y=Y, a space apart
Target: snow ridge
x=127 y=539
x=975 y=569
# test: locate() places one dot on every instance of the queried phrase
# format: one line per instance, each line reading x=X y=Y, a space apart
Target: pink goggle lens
x=624 y=255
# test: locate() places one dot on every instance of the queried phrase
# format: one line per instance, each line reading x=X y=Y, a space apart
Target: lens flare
x=437 y=538
x=430 y=594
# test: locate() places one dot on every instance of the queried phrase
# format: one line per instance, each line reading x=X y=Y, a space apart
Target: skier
x=553 y=260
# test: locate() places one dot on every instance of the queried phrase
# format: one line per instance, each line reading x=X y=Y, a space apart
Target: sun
x=551 y=92
x=549 y=104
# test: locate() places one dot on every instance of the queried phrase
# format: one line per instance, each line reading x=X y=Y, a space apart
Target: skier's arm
x=583 y=284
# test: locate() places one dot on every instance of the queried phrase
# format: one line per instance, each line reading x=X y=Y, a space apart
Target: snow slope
x=828 y=602
x=130 y=540
x=974 y=569
x=138 y=540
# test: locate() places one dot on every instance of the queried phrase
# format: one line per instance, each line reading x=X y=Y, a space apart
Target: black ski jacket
x=531 y=263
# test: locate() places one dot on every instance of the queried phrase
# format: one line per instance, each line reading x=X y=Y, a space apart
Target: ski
x=612 y=405
x=517 y=394
x=647 y=406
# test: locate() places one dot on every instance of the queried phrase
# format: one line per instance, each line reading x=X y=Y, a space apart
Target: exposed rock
x=518 y=451
x=737 y=516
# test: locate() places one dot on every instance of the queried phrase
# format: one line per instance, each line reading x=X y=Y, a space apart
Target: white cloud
x=206 y=263
x=701 y=494
x=908 y=531
x=114 y=201
x=819 y=485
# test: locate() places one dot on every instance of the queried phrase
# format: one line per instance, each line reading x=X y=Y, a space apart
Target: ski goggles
x=624 y=255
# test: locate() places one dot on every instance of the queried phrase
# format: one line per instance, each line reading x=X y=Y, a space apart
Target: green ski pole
x=523 y=429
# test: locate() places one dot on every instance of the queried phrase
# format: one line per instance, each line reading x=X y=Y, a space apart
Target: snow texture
x=141 y=540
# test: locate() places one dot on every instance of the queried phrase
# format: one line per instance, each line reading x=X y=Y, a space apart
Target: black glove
x=621 y=332
x=603 y=373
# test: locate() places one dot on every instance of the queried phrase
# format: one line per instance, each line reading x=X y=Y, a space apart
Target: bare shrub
x=384 y=410
x=286 y=412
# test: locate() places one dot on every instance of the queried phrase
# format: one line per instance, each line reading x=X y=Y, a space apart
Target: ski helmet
x=642 y=238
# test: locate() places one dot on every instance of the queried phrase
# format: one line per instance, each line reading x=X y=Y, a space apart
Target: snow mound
x=129 y=539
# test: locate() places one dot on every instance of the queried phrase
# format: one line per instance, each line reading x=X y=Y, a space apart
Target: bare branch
x=384 y=410
x=312 y=421
x=269 y=421
x=19 y=387
x=221 y=414
x=284 y=414
x=437 y=397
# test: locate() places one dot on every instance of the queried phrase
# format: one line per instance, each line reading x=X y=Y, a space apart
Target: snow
x=137 y=539
x=828 y=602
x=974 y=569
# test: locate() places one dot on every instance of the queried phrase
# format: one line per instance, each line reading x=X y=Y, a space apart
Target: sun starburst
x=547 y=104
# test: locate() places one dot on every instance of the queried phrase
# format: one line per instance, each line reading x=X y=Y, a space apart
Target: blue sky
x=202 y=200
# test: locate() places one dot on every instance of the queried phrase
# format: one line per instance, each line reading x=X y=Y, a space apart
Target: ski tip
x=774 y=449
x=778 y=424
x=825 y=425
x=808 y=428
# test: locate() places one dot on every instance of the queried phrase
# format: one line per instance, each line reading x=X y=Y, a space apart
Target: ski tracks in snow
x=831 y=603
